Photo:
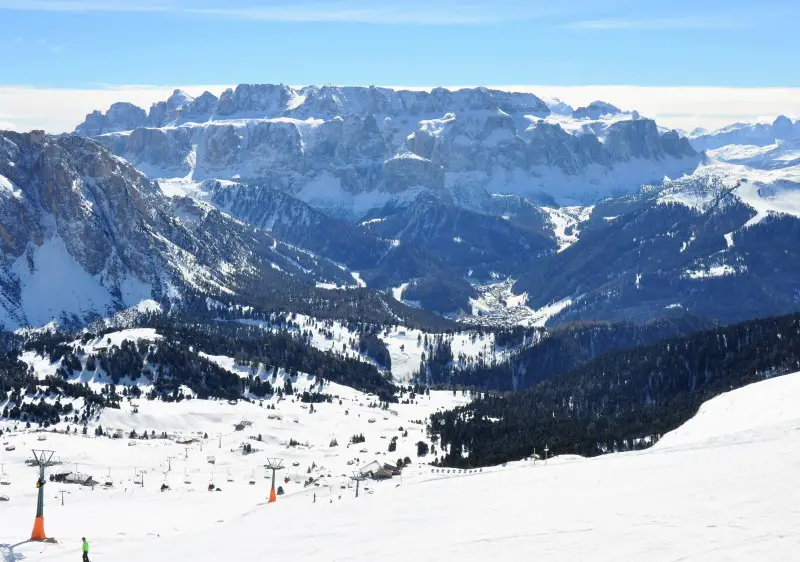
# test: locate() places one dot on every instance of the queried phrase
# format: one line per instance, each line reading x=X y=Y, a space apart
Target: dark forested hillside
x=248 y=344
x=544 y=354
x=175 y=361
x=621 y=400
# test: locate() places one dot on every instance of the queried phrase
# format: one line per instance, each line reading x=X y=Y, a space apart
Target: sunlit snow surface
x=720 y=488
x=768 y=192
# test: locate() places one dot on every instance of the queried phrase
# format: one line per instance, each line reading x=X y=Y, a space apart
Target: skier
x=85 y=549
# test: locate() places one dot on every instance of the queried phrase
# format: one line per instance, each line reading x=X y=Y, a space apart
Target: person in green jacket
x=85 y=548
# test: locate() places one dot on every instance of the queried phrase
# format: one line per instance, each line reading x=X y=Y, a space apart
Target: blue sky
x=91 y=43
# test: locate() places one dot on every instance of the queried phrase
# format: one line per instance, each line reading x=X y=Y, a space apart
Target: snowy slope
x=404 y=344
x=768 y=193
x=766 y=406
x=686 y=501
x=72 y=211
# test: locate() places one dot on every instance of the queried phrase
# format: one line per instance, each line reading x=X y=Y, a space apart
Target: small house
x=382 y=474
x=372 y=469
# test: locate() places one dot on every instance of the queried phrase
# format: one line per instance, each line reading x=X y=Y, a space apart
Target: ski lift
x=230 y=476
x=4 y=480
x=186 y=479
x=4 y=498
x=253 y=478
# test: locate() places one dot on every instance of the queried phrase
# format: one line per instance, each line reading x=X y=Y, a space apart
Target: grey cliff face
x=596 y=110
x=352 y=141
x=121 y=116
x=68 y=203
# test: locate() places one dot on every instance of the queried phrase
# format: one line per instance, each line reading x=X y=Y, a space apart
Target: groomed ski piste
x=723 y=487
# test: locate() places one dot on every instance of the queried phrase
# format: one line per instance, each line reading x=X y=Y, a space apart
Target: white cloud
x=683 y=107
x=658 y=24
x=59 y=110
x=443 y=12
x=84 y=6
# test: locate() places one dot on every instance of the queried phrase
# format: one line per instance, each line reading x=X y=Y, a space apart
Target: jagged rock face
x=676 y=145
x=203 y=105
x=154 y=146
x=121 y=116
x=634 y=139
x=403 y=172
x=331 y=144
x=596 y=110
x=83 y=232
x=78 y=186
x=255 y=98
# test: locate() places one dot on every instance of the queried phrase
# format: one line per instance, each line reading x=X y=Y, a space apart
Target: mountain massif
x=478 y=205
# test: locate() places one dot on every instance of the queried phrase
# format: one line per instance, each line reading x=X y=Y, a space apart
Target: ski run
x=719 y=488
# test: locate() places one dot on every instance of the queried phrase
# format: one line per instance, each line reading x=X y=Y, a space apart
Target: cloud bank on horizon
x=58 y=110
x=733 y=55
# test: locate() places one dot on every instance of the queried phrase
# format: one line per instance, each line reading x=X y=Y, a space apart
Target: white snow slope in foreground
x=720 y=488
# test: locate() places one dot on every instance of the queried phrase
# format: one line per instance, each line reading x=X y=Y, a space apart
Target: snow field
x=128 y=511
x=695 y=496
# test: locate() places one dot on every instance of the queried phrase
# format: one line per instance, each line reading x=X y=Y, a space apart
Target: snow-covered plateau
x=719 y=488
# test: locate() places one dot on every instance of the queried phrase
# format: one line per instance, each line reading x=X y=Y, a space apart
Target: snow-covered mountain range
x=763 y=146
x=488 y=206
x=290 y=272
x=351 y=150
x=85 y=234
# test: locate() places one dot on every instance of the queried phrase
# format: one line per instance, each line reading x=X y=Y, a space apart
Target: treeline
x=173 y=363
x=348 y=305
x=18 y=382
x=250 y=345
x=538 y=355
x=619 y=401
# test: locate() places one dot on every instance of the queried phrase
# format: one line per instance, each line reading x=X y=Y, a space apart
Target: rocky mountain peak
x=596 y=110
x=121 y=116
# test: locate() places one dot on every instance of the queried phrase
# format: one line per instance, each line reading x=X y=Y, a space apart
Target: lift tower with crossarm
x=274 y=465
x=41 y=459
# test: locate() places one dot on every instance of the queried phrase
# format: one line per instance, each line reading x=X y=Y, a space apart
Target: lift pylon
x=42 y=459
x=274 y=465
